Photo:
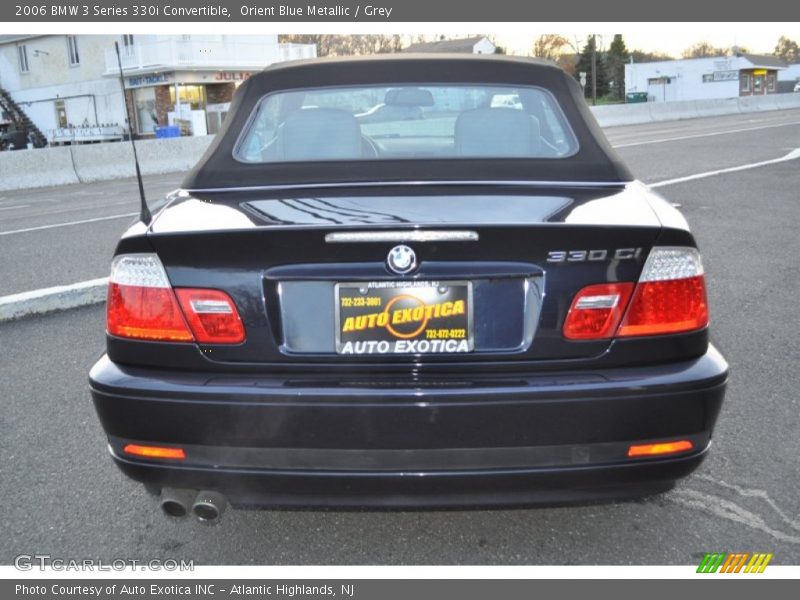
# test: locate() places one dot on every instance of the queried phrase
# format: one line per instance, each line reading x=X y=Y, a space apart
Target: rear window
x=406 y=122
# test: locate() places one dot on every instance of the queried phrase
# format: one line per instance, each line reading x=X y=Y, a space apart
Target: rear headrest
x=497 y=132
x=319 y=134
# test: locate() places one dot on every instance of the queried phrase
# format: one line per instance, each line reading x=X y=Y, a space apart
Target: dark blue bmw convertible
x=475 y=306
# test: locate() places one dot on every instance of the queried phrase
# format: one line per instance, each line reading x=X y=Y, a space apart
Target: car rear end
x=454 y=335
x=579 y=364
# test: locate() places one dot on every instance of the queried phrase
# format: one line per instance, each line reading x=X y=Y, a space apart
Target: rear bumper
x=384 y=441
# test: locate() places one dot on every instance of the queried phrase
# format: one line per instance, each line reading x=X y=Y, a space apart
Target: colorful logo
x=411 y=310
x=737 y=562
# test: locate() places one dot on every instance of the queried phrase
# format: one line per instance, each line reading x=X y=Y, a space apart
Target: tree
x=640 y=56
x=616 y=57
x=498 y=49
x=703 y=50
x=550 y=46
x=303 y=38
x=585 y=65
x=787 y=50
x=568 y=62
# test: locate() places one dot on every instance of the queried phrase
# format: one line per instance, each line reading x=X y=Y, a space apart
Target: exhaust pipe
x=208 y=506
x=175 y=502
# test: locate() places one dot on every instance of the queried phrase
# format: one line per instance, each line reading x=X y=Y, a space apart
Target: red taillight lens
x=147 y=313
x=596 y=311
x=143 y=305
x=670 y=297
x=660 y=307
x=212 y=316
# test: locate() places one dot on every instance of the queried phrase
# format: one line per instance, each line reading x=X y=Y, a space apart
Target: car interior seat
x=319 y=134
x=497 y=131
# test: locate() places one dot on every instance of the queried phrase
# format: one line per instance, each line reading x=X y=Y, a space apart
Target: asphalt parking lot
x=64 y=497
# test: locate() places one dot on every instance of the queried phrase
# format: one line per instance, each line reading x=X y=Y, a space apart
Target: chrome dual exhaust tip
x=206 y=505
x=176 y=502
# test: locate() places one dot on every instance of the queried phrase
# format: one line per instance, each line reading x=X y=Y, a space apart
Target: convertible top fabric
x=595 y=161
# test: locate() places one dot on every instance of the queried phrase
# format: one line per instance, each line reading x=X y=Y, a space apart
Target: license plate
x=404 y=317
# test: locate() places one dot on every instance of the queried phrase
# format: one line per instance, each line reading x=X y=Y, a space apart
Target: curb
x=60 y=297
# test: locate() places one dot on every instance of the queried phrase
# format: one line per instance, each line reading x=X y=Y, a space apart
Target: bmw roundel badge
x=401 y=259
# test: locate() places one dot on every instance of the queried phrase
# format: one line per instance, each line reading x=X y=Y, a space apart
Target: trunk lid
x=290 y=260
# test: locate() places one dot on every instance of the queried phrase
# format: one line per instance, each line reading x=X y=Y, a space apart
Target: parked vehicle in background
x=388 y=112
x=12 y=137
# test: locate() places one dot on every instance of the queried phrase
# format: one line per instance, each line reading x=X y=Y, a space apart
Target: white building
x=58 y=80
x=473 y=45
x=788 y=78
x=69 y=85
x=704 y=78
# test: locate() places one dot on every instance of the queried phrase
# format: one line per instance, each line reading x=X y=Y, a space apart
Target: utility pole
x=594 y=69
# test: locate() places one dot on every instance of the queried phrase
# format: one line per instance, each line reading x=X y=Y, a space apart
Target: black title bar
x=395 y=11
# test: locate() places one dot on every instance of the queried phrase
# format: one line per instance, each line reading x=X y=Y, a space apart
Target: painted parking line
x=793 y=155
x=46 y=212
x=68 y=224
x=702 y=135
x=697 y=125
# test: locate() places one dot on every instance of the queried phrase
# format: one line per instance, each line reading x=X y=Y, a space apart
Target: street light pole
x=594 y=69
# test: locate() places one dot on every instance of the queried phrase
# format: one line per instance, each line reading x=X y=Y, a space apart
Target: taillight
x=143 y=305
x=212 y=316
x=670 y=297
x=596 y=311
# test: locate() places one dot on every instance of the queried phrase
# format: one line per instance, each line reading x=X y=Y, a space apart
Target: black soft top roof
x=595 y=161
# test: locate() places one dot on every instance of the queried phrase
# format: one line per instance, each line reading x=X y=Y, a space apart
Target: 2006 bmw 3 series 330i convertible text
x=407 y=281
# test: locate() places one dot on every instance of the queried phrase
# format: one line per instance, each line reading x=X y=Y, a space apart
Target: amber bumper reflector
x=155 y=451
x=659 y=449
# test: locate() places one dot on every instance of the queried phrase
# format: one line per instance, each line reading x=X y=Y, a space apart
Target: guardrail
x=83 y=163
x=652 y=112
